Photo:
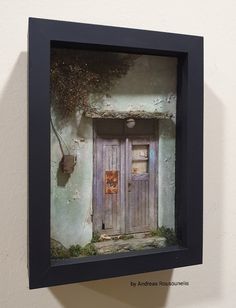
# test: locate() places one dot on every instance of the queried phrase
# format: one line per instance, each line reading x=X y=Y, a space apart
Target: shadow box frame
x=189 y=151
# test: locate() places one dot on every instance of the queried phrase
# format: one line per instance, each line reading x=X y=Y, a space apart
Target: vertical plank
x=147 y=203
x=99 y=187
x=123 y=185
x=141 y=202
x=136 y=207
x=127 y=194
x=152 y=175
x=108 y=159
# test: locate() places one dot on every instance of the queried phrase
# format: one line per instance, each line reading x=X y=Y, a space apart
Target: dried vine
x=76 y=74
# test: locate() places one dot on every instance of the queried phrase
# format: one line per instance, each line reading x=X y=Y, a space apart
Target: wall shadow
x=210 y=274
x=62 y=178
x=115 y=292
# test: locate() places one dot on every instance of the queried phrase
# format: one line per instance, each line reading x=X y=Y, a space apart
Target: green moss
x=154 y=232
x=58 y=251
x=167 y=233
x=59 y=254
x=88 y=250
x=95 y=237
x=74 y=250
x=139 y=247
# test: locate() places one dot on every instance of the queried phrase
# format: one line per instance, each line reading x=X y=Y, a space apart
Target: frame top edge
x=45 y=21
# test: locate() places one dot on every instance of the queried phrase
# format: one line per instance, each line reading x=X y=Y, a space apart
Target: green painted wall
x=71 y=198
x=149 y=85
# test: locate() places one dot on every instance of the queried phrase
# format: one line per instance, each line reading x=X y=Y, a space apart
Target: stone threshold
x=125 y=245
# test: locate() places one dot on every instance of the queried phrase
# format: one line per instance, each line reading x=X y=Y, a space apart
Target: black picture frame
x=189 y=151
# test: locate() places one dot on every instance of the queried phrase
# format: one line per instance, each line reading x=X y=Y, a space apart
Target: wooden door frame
x=153 y=137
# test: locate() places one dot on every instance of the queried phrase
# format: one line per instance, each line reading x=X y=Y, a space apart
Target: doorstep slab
x=113 y=246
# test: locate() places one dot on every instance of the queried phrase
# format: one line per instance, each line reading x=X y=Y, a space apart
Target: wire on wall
x=59 y=138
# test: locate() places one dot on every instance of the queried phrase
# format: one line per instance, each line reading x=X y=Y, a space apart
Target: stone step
x=113 y=246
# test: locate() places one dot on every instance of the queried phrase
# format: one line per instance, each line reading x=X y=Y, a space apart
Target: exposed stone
x=113 y=246
x=138 y=114
x=56 y=244
x=58 y=251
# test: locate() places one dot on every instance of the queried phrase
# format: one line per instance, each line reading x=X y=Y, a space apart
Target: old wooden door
x=141 y=174
x=109 y=186
x=125 y=172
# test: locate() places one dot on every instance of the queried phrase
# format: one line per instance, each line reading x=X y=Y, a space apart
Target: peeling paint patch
x=76 y=195
x=167 y=158
x=152 y=153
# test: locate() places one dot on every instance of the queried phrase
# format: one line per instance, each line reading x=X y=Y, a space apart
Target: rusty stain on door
x=111 y=182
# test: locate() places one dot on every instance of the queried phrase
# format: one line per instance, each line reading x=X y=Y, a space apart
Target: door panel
x=109 y=185
x=111 y=190
x=125 y=200
x=140 y=185
x=138 y=206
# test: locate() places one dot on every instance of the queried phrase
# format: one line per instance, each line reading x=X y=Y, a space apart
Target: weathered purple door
x=141 y=174
x=109 y=185
x=125 y=172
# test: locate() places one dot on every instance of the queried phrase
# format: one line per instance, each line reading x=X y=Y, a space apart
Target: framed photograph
x=115 y=151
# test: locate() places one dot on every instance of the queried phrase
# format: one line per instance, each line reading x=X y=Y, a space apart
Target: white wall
x=212 y=284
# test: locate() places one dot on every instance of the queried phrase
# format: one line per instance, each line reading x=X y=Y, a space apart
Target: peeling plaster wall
x=149 y=85
x=166 y=176
x=71 y=198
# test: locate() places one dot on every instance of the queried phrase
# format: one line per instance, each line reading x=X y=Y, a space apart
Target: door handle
x=129 y=186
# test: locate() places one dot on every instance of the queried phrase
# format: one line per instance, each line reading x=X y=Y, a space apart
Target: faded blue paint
x=152 y=154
